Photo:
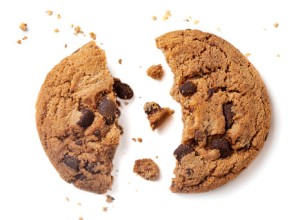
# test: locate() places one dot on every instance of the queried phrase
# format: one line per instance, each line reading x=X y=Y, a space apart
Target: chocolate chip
x=97 y=133
x=151 y=107
x=86 y=118
x=108 y=109
x=79 y=142
x=90 y=166
x=228 y=114
x=71 y=162
x=188 y=88
x=182 y=150
x=199 y=136
x=222 y=145
x=122 y=90
x=211 y=91
x=189 y=171
x=80 y=176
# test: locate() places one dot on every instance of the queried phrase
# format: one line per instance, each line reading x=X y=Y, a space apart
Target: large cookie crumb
x=147 y=169
x=155 y=71
x=156 y=115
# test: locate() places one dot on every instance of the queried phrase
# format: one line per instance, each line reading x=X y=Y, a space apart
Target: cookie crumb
x=278 y=55
x=120 y=61
x=80 y=218
x=188 y=19
x=78 y=30
x=104 y=209
x=72 y=25
x=49 y=12
x=58 y=16
x=67 y=198
x=19 y=41
x=140 y=140
x=23 y=26
x=156 y=115
x=66 y=45
x=167 y=15
x=155 y=71
x=276 y=25
x=78 y=203
x=154 y=18
x=56 y=30
x=93 y=35
x=147 y=169
x=25 y=38
x=218 y=29
x=109 y=199
x=247 y=54
x=134 y=139
x=196 y=22
x=156 y=157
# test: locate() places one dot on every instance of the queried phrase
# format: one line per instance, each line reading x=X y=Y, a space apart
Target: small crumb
x=72 y=25
x=154 y=18
x=23 y=26
x=78 y=203
x=58 y=16
x=218 y=29
x=133 y=139
x=120 y=61
x=93 y=35
x=80 y=218
x=56 y=30
x=278 y=55
x=167 y=15
x=67 y=198
x=78 y=30
x=140 y=140
x=276 y=25
x=104 y=209
x=155 y=71
x=196 y=22
x=109 y=199
x=66 y=45
x=19 y=41
x=147 y=169
x=188 y=19
x=247 y=54
x=25 y=38
x=156 y=157
x=49 y=12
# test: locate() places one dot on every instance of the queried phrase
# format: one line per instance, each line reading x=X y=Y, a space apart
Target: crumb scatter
x=276 y=25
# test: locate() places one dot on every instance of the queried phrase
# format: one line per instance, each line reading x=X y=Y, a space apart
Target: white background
x=30 y=188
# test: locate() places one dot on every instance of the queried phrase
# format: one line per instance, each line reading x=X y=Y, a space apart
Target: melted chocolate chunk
x=187 y=89
x=222 y=145
x=71 y=162
x=228 y=114
x=182 y=150
x=122 y=90
x=86 y=118
x=108 y=109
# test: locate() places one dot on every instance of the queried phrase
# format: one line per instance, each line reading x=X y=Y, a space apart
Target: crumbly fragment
x=25 y=38
x=147 y=169
x=78 y=30
x=80 y=218
x=134 y=139
x=104 y=209
x=120 y=61
x=167 y=15
x=49 y=12
x=58 y=16
x=140 y=140
x=23 y=26
x=67 y=199
x=19 y=41
x=109 y=199
x=276 y=25
x=56 y=30
x=155 y=71
x=66 y=45
x=93 y=35
x=154 y=18
x=156 y=115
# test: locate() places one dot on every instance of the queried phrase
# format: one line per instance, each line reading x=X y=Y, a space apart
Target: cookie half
x=225 y=109
x=77 y=119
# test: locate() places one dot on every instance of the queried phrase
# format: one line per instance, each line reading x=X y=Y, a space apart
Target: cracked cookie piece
x=77 y=119
x=155 y=71
x=147 y=169
x=156 y=115
x=225 y=106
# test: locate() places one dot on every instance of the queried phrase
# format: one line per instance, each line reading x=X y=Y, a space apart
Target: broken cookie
x=147 y=169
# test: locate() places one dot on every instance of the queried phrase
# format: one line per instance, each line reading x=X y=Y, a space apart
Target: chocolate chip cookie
x=77 y=118
x=225 y=109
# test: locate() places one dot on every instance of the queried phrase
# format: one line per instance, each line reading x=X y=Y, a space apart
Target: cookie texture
x=76 y=118
x=156 y=115
x=146 y=168
x=225 y=109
